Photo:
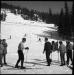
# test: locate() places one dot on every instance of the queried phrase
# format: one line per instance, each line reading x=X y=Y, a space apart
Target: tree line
x=64 y=19
x=66 y=23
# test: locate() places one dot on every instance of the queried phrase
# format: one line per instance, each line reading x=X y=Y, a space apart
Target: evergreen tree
x=25 y=11
x=49 y=17
x=32 y=14
x=50 y=12
x=72 y=20
x=61 y=27
x=67 y=29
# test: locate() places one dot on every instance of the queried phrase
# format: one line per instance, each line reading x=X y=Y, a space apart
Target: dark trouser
x=1 y=59
x=69 y=56
x=21 y=58
x=4 y=56
x=62 y=56
x=73 y=63
x=48 y=58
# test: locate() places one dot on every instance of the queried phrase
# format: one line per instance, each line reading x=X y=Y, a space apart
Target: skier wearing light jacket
x=21 y=47
x=62 y=50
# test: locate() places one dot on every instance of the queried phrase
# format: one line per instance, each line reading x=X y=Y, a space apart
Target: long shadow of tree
x=53 y=35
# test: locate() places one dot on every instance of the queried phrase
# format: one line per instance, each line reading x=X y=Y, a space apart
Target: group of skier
x=49 y=47
x=62 y=49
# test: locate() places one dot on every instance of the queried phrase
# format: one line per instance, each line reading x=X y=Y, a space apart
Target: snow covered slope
x=18 y=19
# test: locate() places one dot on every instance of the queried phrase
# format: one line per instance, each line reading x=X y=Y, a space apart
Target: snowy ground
x=36 y=61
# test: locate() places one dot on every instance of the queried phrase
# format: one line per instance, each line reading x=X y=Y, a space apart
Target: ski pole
x=51 y=55
x=58 y=56
x=26 y=56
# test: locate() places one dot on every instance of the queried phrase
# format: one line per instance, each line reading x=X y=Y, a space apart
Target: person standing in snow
x=56 y=45
x=62 y=50
x=69 y=51
x=5 y=50
x=53 y=46
x=10 y=36
x=73 y=58
x=21 y=47
x=47 y=49
x=1 y=52
x=40 y=39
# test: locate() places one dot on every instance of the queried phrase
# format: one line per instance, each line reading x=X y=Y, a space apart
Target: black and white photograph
x=37 y=37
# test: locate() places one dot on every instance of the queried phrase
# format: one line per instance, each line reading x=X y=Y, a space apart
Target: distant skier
x=21 y=47
x=47 y=50
x=10 y=36
x=25 y=35
x=40 y=39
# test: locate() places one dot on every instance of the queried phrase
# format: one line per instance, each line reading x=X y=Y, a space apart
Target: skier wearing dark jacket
x=47 y=49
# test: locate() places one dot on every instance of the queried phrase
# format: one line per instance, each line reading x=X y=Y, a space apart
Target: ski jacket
x=5 y=48
x=69 y=47
x=62 y=48
x=47 y=47
x=22 y=46
x=1 y=48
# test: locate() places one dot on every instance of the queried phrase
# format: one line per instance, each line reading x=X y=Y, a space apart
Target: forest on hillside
x=64 y=20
